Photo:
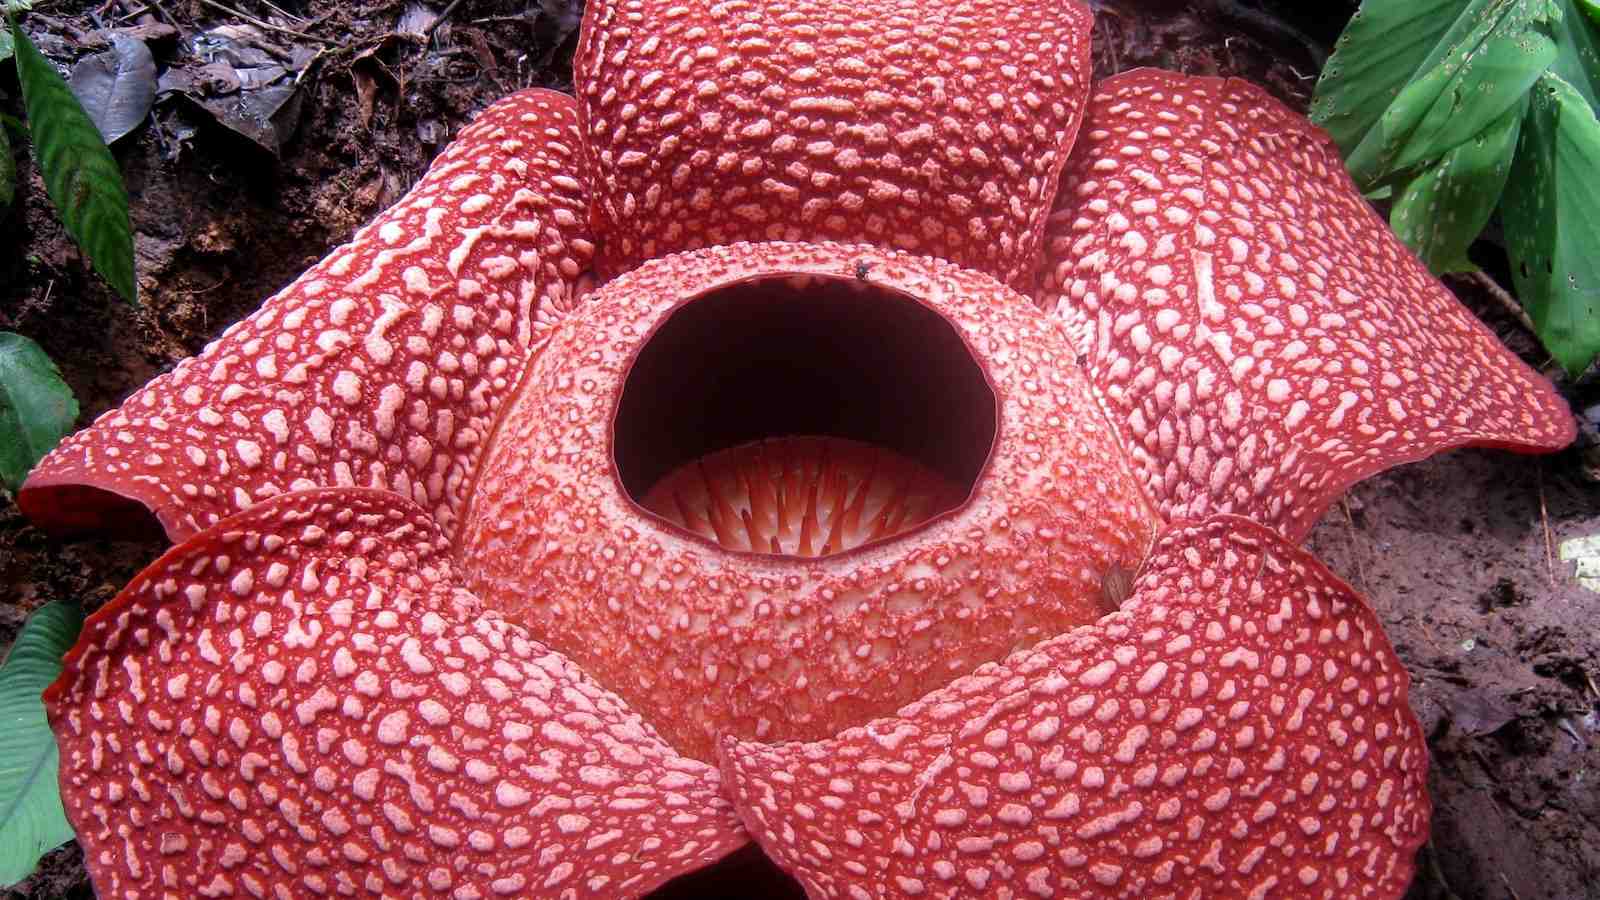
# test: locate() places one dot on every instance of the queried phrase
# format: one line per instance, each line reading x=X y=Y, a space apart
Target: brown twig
x=162 y=12
x=1355 y=543
x=261 y=23
x=439 y=20
x=1502 y=296
x=281 y=11
x=1549 y=538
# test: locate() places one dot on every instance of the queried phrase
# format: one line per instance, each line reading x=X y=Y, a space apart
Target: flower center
x=802 y=416
x=801 y=496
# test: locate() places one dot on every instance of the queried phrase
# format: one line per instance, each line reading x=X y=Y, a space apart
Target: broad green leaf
x=1551 y=212
x=1494 y=82
x=1477 y=80
x=32 y=821
x=1591 y=8
x=1442 y=211
x=1385 y=46
x=37 y=408
x=80 y=174
x=1578 y=45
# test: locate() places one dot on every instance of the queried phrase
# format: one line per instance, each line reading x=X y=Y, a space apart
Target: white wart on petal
x=922 y=125
x=299 y=702
x=1255 y=330
x=1239 y=729
x=704 y=640
x=382 y=366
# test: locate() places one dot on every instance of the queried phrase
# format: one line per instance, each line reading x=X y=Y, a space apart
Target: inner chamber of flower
x=941 y=488
x=803 y=416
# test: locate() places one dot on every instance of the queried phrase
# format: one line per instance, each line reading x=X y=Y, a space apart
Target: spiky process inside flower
x=801 y=496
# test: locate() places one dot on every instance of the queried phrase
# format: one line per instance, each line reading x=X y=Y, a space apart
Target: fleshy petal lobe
x=382 y=366
x=299 y=702
x=1254 y=328
x=1240 y=728
x=936 y=128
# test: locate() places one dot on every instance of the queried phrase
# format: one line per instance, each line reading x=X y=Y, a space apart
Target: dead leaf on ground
x=117 y=87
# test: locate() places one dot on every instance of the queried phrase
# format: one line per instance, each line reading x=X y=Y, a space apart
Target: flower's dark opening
x=803 y=416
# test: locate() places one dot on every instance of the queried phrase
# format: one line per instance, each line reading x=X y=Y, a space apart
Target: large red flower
x=839 y=426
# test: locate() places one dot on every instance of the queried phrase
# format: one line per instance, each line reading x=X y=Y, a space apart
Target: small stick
x=260 y=23
x=439 y=20
x=1549 y=539
x=281 y=11
x=162 y=12
x=1355 y=543
x=1501 y=296
x=131 y=13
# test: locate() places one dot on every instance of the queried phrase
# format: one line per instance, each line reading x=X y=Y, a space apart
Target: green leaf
x=80 y=174
x=1495 y=81
x=1591 y=8
x=1387 y=44
x=1551 y=213
x=1477 y=79
x=1441 y=211
x=32 y=821
x=1578 y=48
x=37 y=408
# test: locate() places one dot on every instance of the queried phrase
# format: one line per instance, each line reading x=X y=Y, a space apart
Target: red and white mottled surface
x=776 y=648
x=1409 y=548
x=1258 y=334
x=304 y=701
x=382 y=366
x=935 y=129
x=1239 y=729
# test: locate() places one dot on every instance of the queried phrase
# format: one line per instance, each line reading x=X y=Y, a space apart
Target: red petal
x=1239 y=729
x=704 y=641
x=381 y=366
x=1259 y=334
x=924 y=126
x=299 y=701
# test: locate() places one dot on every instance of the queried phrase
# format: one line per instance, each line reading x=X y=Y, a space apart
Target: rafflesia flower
x=840 y=426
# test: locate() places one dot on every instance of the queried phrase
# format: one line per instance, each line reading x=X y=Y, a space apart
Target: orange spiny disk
x=788 y=492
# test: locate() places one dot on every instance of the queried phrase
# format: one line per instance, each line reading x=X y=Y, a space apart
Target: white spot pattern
x=703 y=642
x=1257 y=333
x=259 y=784
x=1235 y=783
x=375 y=386
x=875 y=121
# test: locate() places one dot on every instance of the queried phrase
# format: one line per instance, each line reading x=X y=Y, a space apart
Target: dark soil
x=1458 y=553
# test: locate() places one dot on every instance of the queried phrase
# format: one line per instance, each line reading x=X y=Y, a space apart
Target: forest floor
x=267 y=146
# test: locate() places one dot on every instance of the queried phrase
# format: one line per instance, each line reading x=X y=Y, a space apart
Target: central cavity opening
x=803 y=416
